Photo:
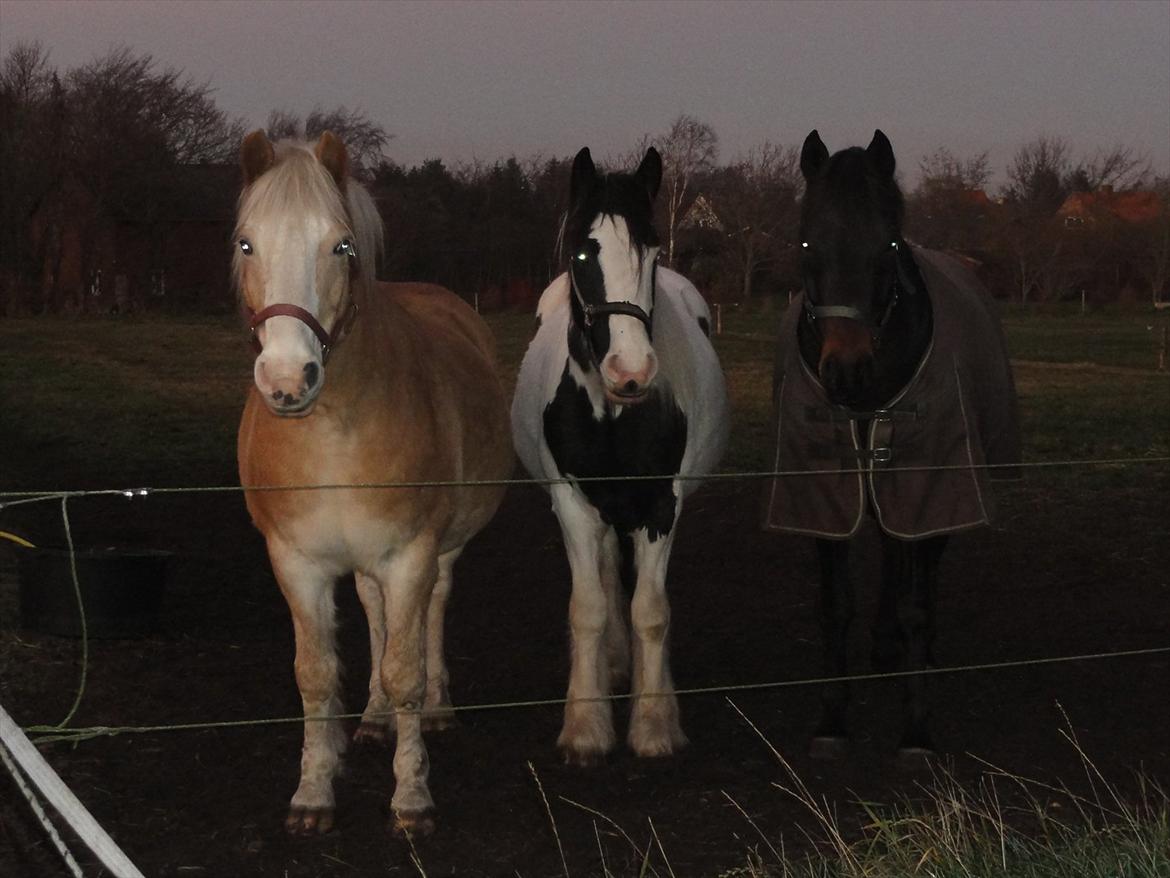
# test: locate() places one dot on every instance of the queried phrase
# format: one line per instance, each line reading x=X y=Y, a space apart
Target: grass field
x=159 y=399
x=124 y=402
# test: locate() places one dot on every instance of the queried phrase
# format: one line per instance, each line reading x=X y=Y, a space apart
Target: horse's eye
x=245 y=246
x=581 y=257
x=804 y=244
x=893 y=245
x=344 y=248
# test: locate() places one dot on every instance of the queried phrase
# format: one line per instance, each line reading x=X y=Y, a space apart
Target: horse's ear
x=583 y=177
x=881 y=153
x=256 y=155
x=813 y=155
x=330 y=152
x=649 y=172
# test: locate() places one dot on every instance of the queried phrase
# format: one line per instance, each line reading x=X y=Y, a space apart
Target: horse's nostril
x=312 y=373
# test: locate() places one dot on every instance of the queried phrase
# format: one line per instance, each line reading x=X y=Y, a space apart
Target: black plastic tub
x=121 y=589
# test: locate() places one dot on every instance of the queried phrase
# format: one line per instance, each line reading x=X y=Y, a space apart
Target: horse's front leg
x=654 y=724
x=308 y=589
x=438 y=714
x=377 y=725
x=407 y=580
x=831 y=737
x=905 y=632
x=587 y=734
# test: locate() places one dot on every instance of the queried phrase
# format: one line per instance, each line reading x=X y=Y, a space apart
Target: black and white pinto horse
x=620 y=380
x=891 y=360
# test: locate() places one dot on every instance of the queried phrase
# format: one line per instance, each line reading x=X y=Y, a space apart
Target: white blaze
x=629 y=276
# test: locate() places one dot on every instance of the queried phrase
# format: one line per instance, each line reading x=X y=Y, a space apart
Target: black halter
x=590 y=314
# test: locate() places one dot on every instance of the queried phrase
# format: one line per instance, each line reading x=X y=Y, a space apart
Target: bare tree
x=688 y=149
x=943 y=169
x=1038 y=173
x=755 y=200
x=949 y=207
x=28 y=159
x=1119 y=167
x=1153 y=242
x=130 y=125
x=365 y=140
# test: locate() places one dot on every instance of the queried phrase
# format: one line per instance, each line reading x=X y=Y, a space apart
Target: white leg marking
x=308 y=589
x=377 y=723
x=437 y=704
x=654 y=722
x=588 y=730
x=408 y=580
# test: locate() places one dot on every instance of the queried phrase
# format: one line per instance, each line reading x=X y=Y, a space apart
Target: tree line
x=106 y=143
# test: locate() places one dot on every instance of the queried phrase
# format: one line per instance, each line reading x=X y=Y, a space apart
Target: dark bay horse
x=620 y=380
x=358 y=381
x=892 y=362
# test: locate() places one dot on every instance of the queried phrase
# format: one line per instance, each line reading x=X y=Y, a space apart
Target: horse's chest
x=648 y=439
x=327 y=519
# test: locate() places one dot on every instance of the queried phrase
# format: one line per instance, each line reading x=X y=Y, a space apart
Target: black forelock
x=849 y=190
x=613 y=195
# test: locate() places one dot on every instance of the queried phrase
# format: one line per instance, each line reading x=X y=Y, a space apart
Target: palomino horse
x=401 y=388
x=891 y=364
x=620 y=380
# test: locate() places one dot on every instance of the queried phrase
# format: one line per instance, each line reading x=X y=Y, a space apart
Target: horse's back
x=458 y=360
x=442 y=313
x=688 y=361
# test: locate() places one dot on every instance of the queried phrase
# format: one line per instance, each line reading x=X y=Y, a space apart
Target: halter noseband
x=591 y=312
x=848 y=312
x=283 y=309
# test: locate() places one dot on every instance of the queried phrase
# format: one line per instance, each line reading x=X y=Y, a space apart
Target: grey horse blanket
x=959 y=411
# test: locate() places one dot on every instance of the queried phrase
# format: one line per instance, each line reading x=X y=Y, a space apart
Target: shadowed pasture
x=1077 y=563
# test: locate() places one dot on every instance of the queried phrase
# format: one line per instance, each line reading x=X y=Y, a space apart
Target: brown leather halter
x=283 y=309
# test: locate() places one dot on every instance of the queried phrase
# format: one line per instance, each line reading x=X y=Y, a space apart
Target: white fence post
x=30 y=761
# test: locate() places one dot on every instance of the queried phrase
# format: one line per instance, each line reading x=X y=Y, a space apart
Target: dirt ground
x=1076 y=565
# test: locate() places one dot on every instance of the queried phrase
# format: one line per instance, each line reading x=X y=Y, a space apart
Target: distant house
x=701 y=215
x=1131 y=206
x=174 y=252
x=977 y=198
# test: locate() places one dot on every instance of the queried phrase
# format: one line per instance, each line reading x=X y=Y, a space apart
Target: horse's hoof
x=656 y=740
x=414 y=824
x=583 y=758
x=915 y=758
x=439 y=720
x=372 y=735
x=828 y=747
x=308 y=821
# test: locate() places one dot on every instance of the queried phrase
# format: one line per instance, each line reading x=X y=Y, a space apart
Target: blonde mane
x=297 y=182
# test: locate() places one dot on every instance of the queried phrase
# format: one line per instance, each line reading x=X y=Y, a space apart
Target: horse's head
x=297 y=260
x=612 y=247
x=855 y=263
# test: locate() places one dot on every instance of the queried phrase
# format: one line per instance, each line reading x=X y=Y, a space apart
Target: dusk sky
x=465 y=81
